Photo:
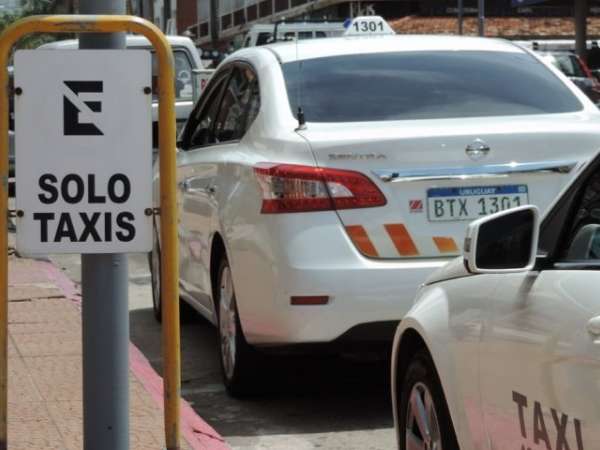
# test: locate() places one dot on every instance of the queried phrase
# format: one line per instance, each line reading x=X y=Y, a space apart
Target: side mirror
x=503 y=242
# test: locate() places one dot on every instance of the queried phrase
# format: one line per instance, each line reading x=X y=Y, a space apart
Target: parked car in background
x=575 y=68
x=262 y=34
x=500 y=350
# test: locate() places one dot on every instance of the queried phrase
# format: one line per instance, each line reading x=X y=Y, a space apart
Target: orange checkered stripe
x=401 y=239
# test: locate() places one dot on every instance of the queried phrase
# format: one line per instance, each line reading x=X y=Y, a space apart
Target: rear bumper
x=356 y=297
x=318 y=259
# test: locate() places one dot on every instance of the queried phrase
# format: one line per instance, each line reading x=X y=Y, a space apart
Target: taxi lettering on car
x=500 y=350
x=321 y=181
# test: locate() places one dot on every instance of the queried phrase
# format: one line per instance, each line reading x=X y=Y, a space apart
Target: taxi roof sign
x=368 y=26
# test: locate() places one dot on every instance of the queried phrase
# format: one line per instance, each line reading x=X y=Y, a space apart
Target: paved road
x=317 y=402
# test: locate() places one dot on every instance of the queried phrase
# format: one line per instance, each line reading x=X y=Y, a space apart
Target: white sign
x=368 y=25
x=83 y=142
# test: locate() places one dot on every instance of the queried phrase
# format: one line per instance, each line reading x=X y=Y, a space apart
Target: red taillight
x=588 y=73
x=586 y=69
x=288 y=188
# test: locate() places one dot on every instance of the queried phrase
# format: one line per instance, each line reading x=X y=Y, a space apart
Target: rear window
x=569 y=65
x=424 y=85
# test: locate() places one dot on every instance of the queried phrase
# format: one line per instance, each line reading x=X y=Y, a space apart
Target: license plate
x=468 y=203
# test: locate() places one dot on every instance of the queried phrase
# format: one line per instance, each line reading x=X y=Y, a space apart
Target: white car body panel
x=494 y=335
x=451 y=331
x=539 y=321
x=276 y=256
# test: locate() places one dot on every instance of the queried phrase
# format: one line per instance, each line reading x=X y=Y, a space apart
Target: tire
x=239 y=361
x=186 y=312
x=421 y=390
x=154 y=263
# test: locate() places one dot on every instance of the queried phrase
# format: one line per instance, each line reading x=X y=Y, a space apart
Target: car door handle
x=593 y=326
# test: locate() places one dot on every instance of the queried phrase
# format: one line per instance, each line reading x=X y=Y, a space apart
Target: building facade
x=216 y=23
x=220 y=21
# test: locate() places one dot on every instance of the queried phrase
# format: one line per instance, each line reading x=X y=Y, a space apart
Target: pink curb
x=199 y=434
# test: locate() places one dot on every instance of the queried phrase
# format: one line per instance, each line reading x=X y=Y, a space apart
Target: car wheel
x=238 y=358
x=424 y=421
x=186 y=312
x=154 y=262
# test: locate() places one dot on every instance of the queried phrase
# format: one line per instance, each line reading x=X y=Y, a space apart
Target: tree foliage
x=30 y=8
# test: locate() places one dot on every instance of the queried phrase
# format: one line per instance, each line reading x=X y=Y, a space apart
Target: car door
x=540 y=349
x=223 y=120
x=192 y=195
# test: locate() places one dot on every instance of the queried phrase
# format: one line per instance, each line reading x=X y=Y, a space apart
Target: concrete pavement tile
x=148 y=425
x=59 y=410
x=28 y=412
x=20 y=384
x=48 y=344
x=141 y=429
x=143 y=405
x=38 y=435
x=35 y=446
x=12 y=350
x=40 y=327
x=143 y=441
x=43 y=316
x=29 y=292
x=139 y=437
x=57 y=377
x=45 y=384
x=71 y=432
x=24 y=271
x=45 y=309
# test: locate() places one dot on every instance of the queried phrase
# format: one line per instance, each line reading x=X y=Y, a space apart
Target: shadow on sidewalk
x=300 y=394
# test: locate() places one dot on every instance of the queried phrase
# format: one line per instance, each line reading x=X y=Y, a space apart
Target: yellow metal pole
x=168 y=204
x=4 y=93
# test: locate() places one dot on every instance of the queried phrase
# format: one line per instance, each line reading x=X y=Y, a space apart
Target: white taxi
x=321 y=181
x=502 y=347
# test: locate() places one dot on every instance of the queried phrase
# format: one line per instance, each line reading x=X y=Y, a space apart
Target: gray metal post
x=580 y=13
x=461 y=14
x=481 y=18
x=105 y=310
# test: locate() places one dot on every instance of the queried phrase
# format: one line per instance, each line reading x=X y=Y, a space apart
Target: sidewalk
x=44 y=366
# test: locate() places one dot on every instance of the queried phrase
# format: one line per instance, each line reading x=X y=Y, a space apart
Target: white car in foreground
x=321 y=181
x=502 y=347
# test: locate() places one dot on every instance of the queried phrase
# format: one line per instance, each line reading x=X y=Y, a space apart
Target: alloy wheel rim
x=227 y=323
x=422 y=426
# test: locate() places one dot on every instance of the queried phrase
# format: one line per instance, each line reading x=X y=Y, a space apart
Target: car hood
x=454 y=269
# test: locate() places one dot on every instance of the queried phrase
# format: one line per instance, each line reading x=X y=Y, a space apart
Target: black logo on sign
x=73 y=106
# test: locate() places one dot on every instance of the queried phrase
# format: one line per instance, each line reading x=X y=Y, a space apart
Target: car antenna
x=300 y=112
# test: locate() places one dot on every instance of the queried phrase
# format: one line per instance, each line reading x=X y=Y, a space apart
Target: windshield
x=184 y=89
x=424 y=85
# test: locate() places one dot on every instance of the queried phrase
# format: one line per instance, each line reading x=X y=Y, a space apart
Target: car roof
x=132 y=40
x=320 y=48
